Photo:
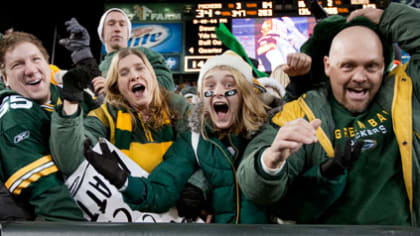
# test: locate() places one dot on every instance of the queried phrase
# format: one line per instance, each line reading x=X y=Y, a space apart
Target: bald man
x=363 y=123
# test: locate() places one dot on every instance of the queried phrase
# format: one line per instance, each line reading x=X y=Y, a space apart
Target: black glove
x=316 y=9
x=106 y=164
x=343 y=159
x=74 y=81
x=191 y=203
x=79 y=41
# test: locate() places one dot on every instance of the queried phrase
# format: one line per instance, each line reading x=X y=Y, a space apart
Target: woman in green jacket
x=229 y=115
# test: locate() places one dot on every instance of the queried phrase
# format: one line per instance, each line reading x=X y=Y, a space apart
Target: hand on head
x=372 y=14
x=289 y=139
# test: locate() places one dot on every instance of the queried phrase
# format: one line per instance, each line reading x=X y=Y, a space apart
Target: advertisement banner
x=151 y=11
x=161 y=37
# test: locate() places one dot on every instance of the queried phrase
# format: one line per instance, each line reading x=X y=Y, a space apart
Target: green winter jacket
x=163 y=73
x=399 y=96
x=115 y=125
x=26 y=165
x=302 y=197
x=162 y=188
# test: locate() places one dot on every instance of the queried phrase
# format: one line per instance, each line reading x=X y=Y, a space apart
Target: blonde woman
x=229 y=115
x=138 y=117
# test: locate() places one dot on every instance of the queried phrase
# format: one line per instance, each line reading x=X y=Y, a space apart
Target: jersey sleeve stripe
x=33 y=178
x=30 y=173
x=48 y=107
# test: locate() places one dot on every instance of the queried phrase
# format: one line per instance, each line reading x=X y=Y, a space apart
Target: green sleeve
x=163 y=73
x=400 y=23
x=300 y=190
x=181 y=108
x=163 y=187
x=257 y=186
x=310 y=195
x=75 y=128
x=29 y=172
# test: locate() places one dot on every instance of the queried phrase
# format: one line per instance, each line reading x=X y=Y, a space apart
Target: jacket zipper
x=234 y=176
x=147 y=132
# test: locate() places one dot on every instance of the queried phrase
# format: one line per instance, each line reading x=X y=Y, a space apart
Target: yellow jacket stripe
x=320 y=134
x=105 y=117
x=403 y=125
x=30 y=174
x=298 y=109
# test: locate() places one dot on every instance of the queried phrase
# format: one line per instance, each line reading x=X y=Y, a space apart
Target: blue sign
x=161 y=37
x=173 y=62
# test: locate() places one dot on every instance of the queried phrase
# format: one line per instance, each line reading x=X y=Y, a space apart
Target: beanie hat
x=271 y=82
x=318 y=45
x=188 y=91
x=102 y=21
x=228 y=58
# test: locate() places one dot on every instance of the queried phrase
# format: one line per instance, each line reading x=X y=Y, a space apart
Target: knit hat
x=318 y=45
x=228 y=58
x=273 y=83
x=102 y=21
x=188 y=91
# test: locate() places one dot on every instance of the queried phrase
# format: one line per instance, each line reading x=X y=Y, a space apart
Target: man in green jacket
x=361 y=103
x=114 y=30
x=26 y=166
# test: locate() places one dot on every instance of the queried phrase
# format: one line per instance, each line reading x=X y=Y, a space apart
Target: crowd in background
x=330 y=137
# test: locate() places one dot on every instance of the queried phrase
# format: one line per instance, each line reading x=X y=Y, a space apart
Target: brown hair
x=11 y=39
x=114 y=97
x=252 y=114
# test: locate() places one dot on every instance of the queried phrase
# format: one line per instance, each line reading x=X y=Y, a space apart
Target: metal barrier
x=103 y=229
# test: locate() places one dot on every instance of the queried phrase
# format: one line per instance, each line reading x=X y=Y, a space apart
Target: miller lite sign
x=161 y=37
x=148 y=36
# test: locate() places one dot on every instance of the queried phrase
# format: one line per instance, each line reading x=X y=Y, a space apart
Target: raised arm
x=69 y=128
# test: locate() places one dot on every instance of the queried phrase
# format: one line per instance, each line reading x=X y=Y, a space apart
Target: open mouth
x=221 y=109
x=357 y=93
x=35 y=82
x=138 y=88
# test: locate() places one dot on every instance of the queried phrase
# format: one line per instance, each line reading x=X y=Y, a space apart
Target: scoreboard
x=201 y=40
x=184 y=33
x=334 y=7
x=202 y=43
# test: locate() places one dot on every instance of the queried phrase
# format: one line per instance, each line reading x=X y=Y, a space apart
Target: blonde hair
x=252 y=115
x=158 y=104
x=279 y=75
